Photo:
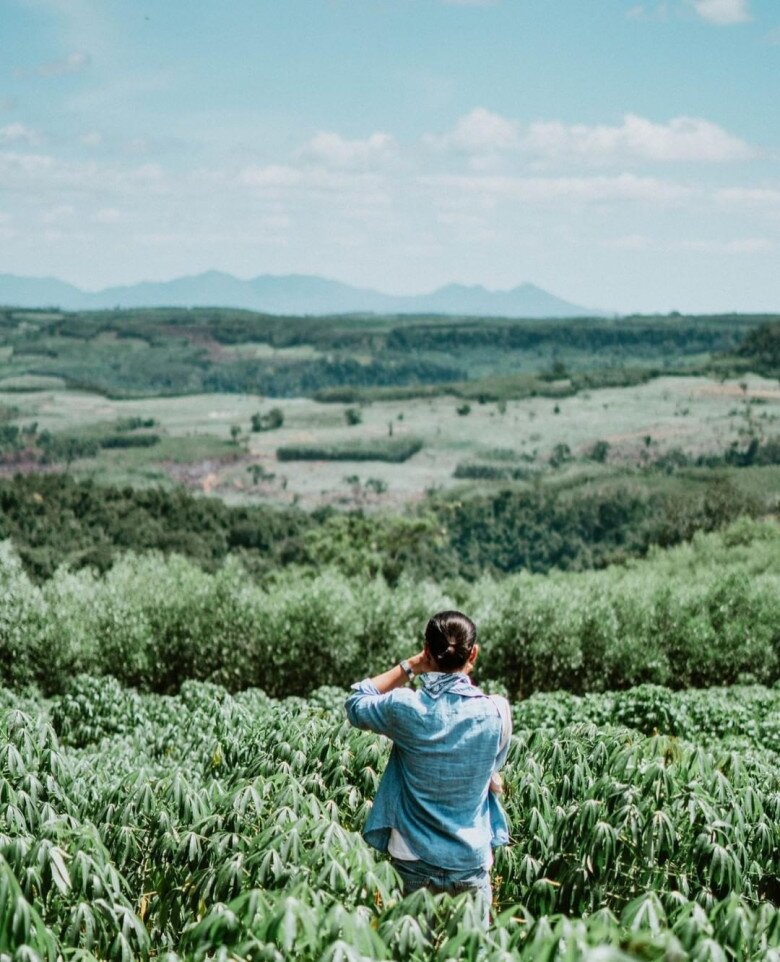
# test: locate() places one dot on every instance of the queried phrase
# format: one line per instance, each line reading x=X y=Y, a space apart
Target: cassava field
x=208 y=825
x=215 y=521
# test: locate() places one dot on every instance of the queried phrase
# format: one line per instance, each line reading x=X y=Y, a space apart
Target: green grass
x=178 y=450
x=31 y=382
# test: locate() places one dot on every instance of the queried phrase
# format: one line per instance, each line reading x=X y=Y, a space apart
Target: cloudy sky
x=623 y=155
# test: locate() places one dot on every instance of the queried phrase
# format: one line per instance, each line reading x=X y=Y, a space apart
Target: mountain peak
x=288 y=294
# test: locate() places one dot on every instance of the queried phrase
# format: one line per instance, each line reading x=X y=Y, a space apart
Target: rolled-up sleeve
x=506 y=731
x=370 y=710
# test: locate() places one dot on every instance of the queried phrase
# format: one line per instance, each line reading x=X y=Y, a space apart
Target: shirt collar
x=436 y=683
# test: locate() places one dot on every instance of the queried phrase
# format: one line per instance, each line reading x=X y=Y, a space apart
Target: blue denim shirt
x=446 y=736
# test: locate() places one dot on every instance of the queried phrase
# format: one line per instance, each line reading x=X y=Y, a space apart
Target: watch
x=407 y=669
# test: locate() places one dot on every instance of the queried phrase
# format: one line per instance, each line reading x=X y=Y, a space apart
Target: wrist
x=418 y=664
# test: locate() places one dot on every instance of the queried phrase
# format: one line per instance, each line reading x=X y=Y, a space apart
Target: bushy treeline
x=25 y=443
x=700 y=615
x=179 y=351
x=761 y=348
x=235 y=326
x=54 y=520
x=687 y=336
x=307 y=377
x=755 y=452
x=394 y=450
x=541 y=528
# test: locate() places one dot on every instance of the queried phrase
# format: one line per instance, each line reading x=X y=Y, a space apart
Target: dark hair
x=450 y=637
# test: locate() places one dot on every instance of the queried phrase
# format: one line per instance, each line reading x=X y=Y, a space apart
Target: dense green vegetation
x=125 y=353
x=703 y=614
x=395 y=450
x=26 y=444
x=761 y=348
x=53 y=519
x=205 y=826
x=541 y=528
x=743 y=718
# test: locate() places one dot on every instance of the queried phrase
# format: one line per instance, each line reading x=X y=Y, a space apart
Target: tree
x=599 y=452
x=269 y=421
x=561 y=453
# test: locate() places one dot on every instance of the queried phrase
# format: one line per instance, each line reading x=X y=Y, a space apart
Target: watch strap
x=407 y=669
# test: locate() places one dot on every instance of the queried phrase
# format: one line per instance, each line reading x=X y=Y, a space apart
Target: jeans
x=420 y=874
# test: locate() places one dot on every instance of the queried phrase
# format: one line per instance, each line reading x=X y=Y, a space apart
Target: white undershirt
x=398 y=847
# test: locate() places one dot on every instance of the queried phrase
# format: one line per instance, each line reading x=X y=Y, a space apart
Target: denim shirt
x=446 y=737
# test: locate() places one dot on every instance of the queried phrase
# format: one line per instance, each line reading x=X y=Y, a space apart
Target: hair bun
x=450 y=637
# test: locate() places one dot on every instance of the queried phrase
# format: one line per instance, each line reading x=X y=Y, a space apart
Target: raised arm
x=368 y=705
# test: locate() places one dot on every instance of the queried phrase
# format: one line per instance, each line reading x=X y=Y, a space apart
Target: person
x=436 y=811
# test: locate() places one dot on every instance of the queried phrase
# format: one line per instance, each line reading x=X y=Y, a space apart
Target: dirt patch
x=196 y=336
x=203 y=475
x=9 y=469
x=734 y=390
x=664 y=433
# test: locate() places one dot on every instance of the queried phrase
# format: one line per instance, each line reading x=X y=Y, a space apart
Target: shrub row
x=395 y=450
x=485 y=471
x=701 y=615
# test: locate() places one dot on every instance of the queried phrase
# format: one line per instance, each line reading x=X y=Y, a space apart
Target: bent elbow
x=351 y=708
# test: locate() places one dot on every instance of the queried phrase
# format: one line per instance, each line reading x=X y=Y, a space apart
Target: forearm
x=396 y=677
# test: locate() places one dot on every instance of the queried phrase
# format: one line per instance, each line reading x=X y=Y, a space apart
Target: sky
x=621 y=154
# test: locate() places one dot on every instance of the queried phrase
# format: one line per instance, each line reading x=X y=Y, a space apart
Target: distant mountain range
x=287 y=294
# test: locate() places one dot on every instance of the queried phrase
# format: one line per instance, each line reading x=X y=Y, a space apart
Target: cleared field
x=255 y=350
x=695 y=414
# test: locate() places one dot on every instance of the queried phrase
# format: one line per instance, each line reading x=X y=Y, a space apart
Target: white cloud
x=272 y=175
x=738 y=245
x=749 y=196
x=55 y=215
x=92 y=138
x=624 y=187
x=151 y=174
x=336 y=151
x=75 y=62
x=722 y=12
x=14 y=165
x=750 y=245
x=681 y=139
x=648 y=11
x=478 y=132
x=19 y=134
x=628 y=242
x=365 y=188
x=108 y=215
x=483 y=136
x=42 y=174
